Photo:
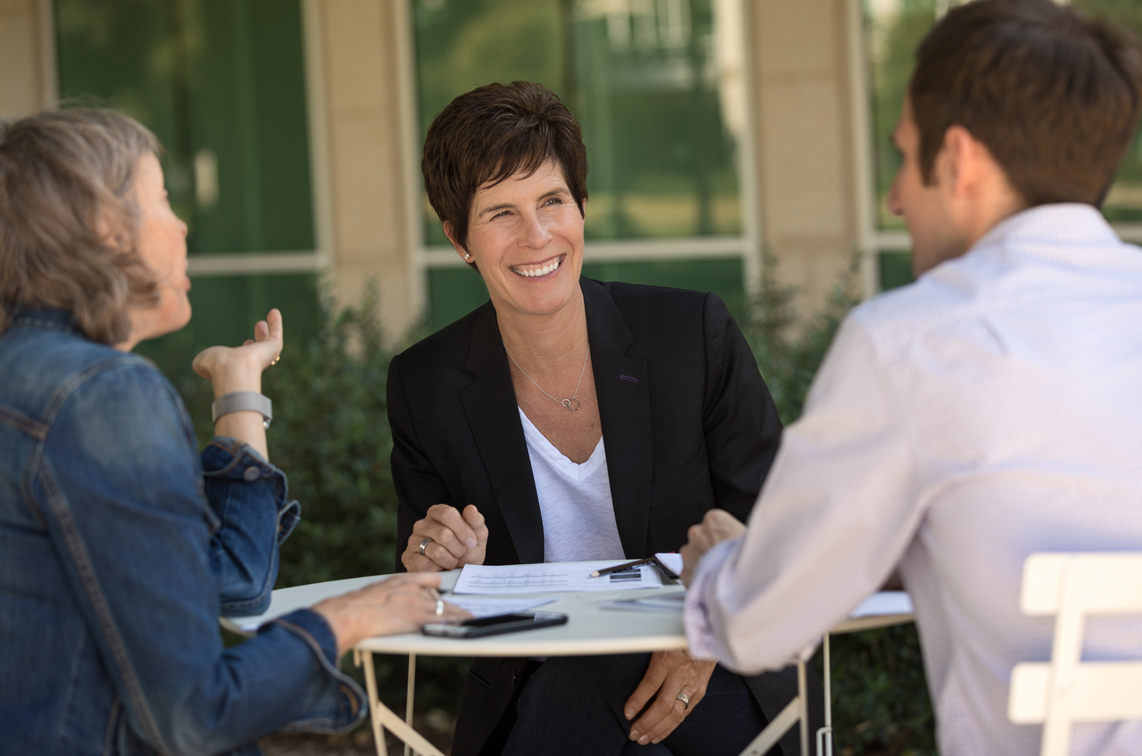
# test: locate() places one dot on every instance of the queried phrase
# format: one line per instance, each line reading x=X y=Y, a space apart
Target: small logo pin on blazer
x=631 y=378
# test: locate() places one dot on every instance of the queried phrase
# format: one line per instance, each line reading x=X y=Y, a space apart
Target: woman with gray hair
x=119 y=545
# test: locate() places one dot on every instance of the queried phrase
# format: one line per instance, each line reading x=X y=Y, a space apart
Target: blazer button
x=251 y=474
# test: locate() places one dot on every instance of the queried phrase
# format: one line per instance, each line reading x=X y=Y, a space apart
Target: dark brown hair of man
x=1052 y=94
x=492 y=133
x=69 y=219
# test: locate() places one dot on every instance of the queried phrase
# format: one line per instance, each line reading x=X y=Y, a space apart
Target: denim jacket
x=119 y=550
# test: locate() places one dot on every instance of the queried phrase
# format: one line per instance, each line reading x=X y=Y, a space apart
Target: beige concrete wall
x=367 y=186
x=22 y=81
x=801 y=97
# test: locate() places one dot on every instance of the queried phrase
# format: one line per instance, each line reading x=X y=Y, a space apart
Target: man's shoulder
x=897 y=318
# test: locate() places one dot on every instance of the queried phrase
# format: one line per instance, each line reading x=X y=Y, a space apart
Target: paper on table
x=554 y=577
x=885 y=602
x=671 y=603
x=672 y=560
x=479 y=606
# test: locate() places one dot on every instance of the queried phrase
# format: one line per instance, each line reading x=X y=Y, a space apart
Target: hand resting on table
x=398 y=605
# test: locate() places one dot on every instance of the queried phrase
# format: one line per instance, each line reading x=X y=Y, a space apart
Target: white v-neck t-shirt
x=574 y=501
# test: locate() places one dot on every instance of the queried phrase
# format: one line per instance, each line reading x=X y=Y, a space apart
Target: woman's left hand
x=669 y=673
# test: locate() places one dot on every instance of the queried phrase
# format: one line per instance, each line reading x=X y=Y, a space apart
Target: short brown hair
x=64 y=175
x=492 y=133
x=1054 y=95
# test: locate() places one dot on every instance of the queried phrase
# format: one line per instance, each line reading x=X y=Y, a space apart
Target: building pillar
x=806 y=190
x=366 y=164
x=25 y=86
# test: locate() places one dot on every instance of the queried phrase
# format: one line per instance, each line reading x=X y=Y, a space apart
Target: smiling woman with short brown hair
x=571 y=420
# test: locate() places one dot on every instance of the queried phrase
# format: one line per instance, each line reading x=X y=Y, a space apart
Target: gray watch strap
x=242 y=400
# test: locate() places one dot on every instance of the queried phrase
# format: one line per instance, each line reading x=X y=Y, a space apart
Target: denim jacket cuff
x=343 y=704
x=229 y=459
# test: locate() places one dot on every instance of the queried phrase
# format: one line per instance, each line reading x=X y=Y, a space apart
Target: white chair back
x=1066 y=690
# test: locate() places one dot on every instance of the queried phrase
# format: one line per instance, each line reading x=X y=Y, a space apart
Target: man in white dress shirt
x=989 y=410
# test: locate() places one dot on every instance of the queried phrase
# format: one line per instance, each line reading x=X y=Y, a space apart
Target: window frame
x=873 y=240
x=318 y=260
x=746 y=246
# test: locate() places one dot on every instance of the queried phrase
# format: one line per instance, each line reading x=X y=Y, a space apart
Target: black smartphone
x=503 y=623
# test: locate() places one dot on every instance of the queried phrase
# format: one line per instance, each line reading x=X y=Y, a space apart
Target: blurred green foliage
x=331 y=435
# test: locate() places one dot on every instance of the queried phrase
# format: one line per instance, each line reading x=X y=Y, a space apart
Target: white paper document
x=885 y=602
x=554 y=577
x=482 y=606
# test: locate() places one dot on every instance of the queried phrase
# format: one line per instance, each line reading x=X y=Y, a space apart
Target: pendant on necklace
x=567 y=403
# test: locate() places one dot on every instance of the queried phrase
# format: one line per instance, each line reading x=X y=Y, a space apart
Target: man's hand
x=669 y=673
x=718 y=525
x=457 y=539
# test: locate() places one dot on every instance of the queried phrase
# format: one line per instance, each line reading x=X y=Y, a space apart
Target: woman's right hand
x=240 y=368
x=400 y=604
x=232 y=369
x=458 y=538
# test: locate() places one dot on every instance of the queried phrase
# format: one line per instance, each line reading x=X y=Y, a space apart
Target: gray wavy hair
x=69 y=219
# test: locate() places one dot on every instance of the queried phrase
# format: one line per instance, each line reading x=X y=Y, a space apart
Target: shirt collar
x=50 y=318
x=1064 y=224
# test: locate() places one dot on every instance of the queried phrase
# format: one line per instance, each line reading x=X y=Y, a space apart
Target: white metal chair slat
x=1067 y=690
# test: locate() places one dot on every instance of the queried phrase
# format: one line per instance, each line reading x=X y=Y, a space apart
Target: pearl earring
x=467 y=255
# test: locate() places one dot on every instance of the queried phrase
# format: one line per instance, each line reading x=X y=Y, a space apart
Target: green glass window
x=642 y=78
x=894 y=28
x=658 y=102
x=894 y=269
x=222 y=84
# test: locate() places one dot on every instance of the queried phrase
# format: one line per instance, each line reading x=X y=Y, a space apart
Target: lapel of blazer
x=623 y=392
x=493 y=415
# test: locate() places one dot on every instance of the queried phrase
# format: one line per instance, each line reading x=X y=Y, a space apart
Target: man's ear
x=460 y=250
x=967 y=160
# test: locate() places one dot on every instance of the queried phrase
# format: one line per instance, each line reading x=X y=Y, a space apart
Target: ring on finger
x=684 y=699
x=424 y=545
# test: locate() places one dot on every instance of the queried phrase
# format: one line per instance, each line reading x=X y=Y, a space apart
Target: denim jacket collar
x=51 y=318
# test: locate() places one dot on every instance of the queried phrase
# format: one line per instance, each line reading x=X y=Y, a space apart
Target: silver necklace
x=565 y=402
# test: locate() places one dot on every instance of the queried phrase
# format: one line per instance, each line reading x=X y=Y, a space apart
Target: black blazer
x=688 y=425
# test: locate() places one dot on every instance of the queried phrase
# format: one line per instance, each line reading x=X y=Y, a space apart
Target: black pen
x=620 y=567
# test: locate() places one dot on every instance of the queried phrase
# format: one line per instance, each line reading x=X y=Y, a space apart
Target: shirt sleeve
x=835 y=515
x=120 y=480
x=249 y=499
